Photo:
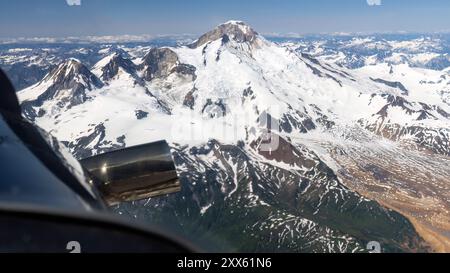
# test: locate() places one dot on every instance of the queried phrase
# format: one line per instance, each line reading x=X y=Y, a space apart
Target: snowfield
x=218 y=99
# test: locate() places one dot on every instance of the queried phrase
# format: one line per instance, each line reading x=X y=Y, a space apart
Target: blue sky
x=55 y=18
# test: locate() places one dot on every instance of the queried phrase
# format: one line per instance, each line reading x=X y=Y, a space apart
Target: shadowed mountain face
x=276 y=150
x=252 y=206
x=67 y=84
x=112 y=68
x=159 y=62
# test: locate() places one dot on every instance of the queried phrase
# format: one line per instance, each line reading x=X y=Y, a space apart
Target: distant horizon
x=97 y=18
x=128 y=38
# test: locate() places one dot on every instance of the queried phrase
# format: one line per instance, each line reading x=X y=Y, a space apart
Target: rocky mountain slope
x=276 y=150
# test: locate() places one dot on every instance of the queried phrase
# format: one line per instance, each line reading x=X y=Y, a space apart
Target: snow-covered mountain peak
x=240 y=25
x=68 y=68
x=113 y=66
x=66 y=86
x=69 y=74
x=334 y=118
x=232 y=30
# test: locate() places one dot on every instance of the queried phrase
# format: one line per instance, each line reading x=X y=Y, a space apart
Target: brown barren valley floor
x=414 y=183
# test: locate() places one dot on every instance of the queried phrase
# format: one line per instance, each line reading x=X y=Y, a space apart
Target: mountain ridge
x=234 y=86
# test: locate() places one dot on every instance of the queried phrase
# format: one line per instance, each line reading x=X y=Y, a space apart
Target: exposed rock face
x=141 y=114
x=296 y=122
x=398 y=85
x=234 y=30
x=298 y=211
x=435 y=140
x=102 y=146
x=67 y=83
x=291 y=198
x=185 y=69
x=112 y=68
x=215 y=109
x=161 y=62
x=189 y=99
x=71 y=74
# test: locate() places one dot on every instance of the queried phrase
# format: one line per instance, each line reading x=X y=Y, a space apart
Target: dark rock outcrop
x=233 y=30
x=69 y=82
x=140 y=114
x=189 y=99
x=185 y=69
x=215 y=109
x=110 y=70
x=397 y=85
x=161 y=62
